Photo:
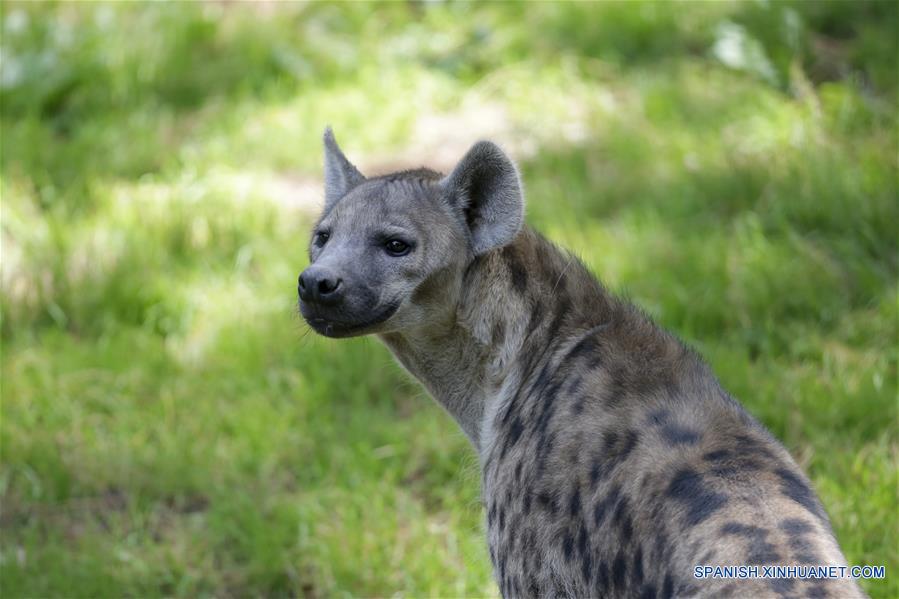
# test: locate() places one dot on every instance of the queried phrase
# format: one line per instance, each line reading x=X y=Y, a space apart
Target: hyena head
x=388 y=253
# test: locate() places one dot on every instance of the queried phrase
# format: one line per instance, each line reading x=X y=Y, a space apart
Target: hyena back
x=613 y=462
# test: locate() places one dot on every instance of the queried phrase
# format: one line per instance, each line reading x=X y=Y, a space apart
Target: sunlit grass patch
x=126 y=262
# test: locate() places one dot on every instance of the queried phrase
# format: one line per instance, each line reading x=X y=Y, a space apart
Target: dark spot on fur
x=587 y=567
x=717 y=455
x=574 y=505
x=604 y=506
x=582 y=541
x=536 y=315
x=527 y=502
x=679 y=435
x=800 y=543
x=623 y=520
x=546 y=391
x=574 y=385
x=659 y=417
x=619 y=571
x=742 y=530
x=803 y=549
x=596 y=472
x=512 y=438
x=609 y=441
x=817 y=591
x=587 y=347
x=517 y=271
x=782 y=586
x=701 y=502
x=794 y=488
x=511 y=409
x=599 y=513
x=617 y=448
x=577 y=407
x=568 y=547
x=602 y=578
x=751 y=445
x=548 y=502
x=807 y=558
x=649 y=592
x=616 y=388
x=760 y=550
x=630 y=442
x=667 y=587
x=627 y=529
x=796 y=526
x=543 y=380
x=637 y=568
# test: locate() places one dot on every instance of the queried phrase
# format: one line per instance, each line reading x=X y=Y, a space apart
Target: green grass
x=169 y=426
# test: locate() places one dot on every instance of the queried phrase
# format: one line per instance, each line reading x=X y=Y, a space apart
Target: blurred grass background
x=169 y=428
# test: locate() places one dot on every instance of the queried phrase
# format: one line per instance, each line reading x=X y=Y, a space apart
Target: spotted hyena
x=613 y=462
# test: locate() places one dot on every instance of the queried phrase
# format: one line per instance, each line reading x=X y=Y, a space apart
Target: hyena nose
x=320 y=286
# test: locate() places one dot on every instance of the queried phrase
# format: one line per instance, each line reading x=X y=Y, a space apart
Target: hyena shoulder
x=618 y=463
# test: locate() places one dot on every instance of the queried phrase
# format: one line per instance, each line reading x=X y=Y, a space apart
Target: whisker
x=561 y=274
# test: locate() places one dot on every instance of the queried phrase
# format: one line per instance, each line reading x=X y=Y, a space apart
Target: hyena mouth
x=338 y=327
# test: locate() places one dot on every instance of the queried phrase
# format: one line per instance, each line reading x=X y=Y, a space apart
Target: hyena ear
x=486 y=191
x=340 y=174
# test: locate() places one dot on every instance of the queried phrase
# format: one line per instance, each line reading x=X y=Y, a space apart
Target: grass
x=169 y=426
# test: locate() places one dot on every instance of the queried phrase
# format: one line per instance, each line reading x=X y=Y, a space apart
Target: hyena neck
x=522 y=300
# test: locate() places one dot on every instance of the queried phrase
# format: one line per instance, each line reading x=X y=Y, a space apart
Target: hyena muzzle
x=613 y=462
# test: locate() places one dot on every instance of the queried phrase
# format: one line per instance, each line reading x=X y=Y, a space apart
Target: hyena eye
x=321 y=238
x=397 y=247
